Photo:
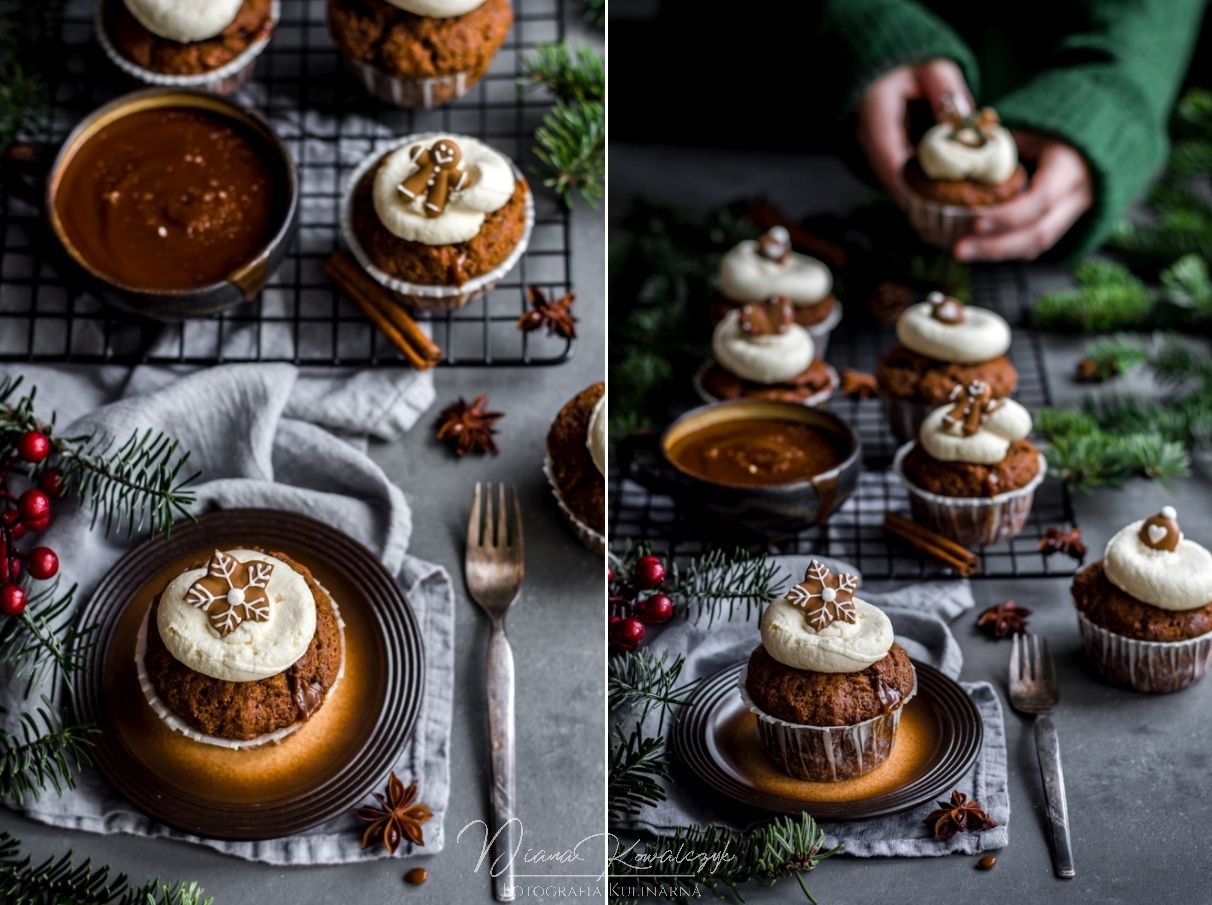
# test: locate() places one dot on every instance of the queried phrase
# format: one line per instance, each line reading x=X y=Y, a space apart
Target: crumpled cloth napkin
x=263 y=436
x=917 y=613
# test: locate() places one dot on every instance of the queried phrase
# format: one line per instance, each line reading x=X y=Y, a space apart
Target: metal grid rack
x=330 y=124
x=853 y=532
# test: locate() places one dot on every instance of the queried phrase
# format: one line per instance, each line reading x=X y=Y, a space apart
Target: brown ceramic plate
x=324 y=768
x=938 y=740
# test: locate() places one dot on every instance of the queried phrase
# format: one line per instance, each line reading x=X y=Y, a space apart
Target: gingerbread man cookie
x=437 y=176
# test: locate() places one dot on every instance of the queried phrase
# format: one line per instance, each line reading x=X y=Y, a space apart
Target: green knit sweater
x=1099 y=74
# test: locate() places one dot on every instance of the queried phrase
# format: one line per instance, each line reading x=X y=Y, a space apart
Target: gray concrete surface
x=1136 y=766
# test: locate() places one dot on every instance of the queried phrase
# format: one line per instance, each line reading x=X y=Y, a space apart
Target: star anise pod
x=1003 y=619
x=466 y=428
x=398 y=816
x=1063 y=540
x=550 y=312
x=960 y=814
x=857 y=385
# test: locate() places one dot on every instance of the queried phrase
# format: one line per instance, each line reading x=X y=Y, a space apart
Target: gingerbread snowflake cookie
x=825 y=598
x=232 y=592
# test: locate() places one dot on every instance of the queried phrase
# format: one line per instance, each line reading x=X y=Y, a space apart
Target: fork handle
x=501 y=738
x=1047 y=746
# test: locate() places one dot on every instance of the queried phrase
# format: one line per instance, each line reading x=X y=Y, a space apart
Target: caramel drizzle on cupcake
x=439 y=174
x=775 y=245
x=772 y=317
x=973 y=404
x=946 y=310
x=1162 y=532
x=825 y=598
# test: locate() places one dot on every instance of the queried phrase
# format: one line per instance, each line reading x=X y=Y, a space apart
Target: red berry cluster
x=636 y=602
x=20 y=514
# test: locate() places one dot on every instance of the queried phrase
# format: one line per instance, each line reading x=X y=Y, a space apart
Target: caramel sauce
x=758 y=452
x=171 y=198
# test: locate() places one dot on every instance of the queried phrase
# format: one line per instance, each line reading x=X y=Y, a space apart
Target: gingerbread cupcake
x=1145 y=608
x=972 y=473
x=760 y=352
x=240 y=650
x=210 y=46
x=576 y=465
x=760 y=269
x=964 y=163
x=943 y=344
x=437 y=218
x=828 y=683
x=419 y=53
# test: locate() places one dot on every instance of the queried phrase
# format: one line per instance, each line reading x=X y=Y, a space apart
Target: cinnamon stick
x=958 y=557
x=765 y=215
x=379 y=305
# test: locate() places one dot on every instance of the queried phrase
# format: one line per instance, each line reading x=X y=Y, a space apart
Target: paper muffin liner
x=414 y=93
x=423 y=296
x=939 y=224
x=592 y=540
x=826 y=753
x=971 y=521
x=905 y=416
x=820 y=331
x=1156 y=667
x=224 y=80
x=178 y=725
x=816 y=400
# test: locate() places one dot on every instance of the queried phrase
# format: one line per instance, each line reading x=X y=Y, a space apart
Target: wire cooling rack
x=853 y=532
x=330 y=124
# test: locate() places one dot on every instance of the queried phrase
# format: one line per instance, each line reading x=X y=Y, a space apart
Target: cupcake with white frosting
x=419 y=53
x=757 y=270
x=828 y=682
x=943 y=344
x=240 y=650
x=1145 y=608
x=437 y=218
x=176 y=43
x=972 y=473
x=575 y=465
x=761 y=352
x=964 y=163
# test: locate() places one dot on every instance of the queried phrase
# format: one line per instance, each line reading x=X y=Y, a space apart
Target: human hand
x=882 y=112
x=1059 y=193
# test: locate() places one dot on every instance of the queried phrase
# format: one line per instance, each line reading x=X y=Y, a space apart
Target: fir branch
x=579 y=78
x=718 y=579
x=30 y=30
x=571 y=143
x=595 y=12
x=138 y=483
x=59 y=881
x=635 y=772
x=36 y=641
x=641 y=681
x=1108 y=297
x=46 y=753
x=1118 y=354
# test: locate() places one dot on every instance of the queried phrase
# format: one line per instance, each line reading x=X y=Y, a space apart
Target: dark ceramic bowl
x=241 y=285
x=775 y=510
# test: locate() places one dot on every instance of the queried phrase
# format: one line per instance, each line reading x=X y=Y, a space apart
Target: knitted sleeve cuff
x=1104 y=116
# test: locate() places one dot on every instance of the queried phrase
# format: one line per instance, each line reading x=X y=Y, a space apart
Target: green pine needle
x=595 y=12
x=46 y=753
x=636 y=771
x=579 y=78
x=640 y=682
x=31 y=28
x=44 y=643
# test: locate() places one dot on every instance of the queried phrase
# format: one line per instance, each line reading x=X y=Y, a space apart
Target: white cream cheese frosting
x=947 y=153
x=746 y=275
x=981 y=336
x=839 y=647
x=488 y=186
x=1178 y=579
x=946 y=442
x=253 y=650
x=437 y=9
x=768 y=359
x=184 y=20
x=596 y=435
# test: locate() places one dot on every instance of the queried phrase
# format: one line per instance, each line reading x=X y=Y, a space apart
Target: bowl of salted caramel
x=173 y=203
x=772 y=468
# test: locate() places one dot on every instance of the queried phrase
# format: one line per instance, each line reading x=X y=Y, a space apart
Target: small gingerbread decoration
x=972 y=129
x=438 y=175
x=769 y=318
x=1161 y=532
x=775 y=245
x=825 y=598
x=973 y=404
x=945 y=309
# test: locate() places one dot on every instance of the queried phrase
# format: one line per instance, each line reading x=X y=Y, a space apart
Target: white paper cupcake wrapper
x=820 y=331
x=593 y=541
x=971 y=521
x=224 y=80
x=411 y=92
x=421 y=295
x=826 y=753
x=177 y=724
x=939 y=224
x=816 y=400
x=1157 y=667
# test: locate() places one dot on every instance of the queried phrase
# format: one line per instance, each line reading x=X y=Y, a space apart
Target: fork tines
x=1031 y=659
x=504 y=531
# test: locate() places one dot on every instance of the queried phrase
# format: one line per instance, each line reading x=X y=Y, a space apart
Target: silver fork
x=1035 y=690
x=494 y=567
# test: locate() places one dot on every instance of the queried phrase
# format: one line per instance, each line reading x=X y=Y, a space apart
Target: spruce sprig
x=569 y=76
x=635 y=771
x=45 y=753
x=30 y=28
x=595 y=12
x=60 y=881
x=43 y=639
x=640 y=682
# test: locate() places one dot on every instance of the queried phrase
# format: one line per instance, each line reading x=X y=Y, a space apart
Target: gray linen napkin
x=917 y=613
x=263 y=436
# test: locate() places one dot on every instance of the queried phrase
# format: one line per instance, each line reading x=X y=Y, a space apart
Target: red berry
x=656 y=609
x=33 y=446
x=37 y=525
x=610 y=576
x=18 y=531
x=12 y=600
x=649 y=572
x=43 y=563
x=629 y=633
x=51 y=480
x=34 y=505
